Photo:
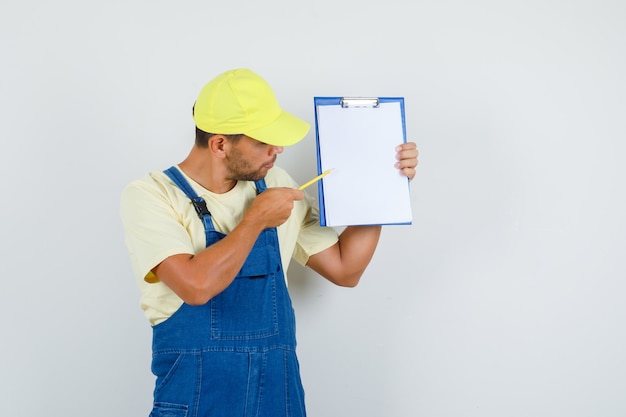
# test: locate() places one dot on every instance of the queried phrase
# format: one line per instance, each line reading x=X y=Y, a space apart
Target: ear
x=218 y=145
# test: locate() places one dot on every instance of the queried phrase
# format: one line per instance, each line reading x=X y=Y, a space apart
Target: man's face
x=249 y=159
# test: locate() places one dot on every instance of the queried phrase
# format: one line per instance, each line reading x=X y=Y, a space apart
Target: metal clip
x=359 y=102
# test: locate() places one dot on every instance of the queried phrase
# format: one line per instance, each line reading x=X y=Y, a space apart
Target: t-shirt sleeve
x=313 y=238
x=153 y=229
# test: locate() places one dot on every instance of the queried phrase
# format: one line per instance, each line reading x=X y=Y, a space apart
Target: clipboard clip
x=359 y=102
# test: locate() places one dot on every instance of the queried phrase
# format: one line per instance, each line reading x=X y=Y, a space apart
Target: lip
x=270 y=164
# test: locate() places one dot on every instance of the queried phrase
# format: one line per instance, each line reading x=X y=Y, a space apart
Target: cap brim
x=286 y=130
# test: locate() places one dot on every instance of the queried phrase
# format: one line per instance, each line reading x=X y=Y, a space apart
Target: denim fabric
x=235 y=355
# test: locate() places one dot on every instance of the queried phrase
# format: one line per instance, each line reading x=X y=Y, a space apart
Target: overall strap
x=198 y=202
x=260 y=186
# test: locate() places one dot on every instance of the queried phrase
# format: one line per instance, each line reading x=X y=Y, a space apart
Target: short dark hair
x=202 y=137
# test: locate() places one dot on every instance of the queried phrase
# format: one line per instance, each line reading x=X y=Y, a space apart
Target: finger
x=407 y=153
x=298 y=194
x=407 y=163
x=406 y=145
x=408 y=172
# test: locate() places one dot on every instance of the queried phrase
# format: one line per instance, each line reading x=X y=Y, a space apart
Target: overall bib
x=235 y=355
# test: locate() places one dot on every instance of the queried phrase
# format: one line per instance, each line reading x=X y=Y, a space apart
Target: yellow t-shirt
x=160 y=221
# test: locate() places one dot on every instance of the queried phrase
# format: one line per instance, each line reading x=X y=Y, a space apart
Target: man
x=209 y=241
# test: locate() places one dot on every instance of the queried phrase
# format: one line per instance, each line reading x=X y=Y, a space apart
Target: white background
x=504 y=298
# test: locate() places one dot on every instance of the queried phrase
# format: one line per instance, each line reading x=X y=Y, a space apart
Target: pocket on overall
x=247 y=308
x=169 y=410
x=177 y=382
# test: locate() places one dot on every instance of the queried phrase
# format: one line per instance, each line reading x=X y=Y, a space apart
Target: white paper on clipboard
x=358 y=143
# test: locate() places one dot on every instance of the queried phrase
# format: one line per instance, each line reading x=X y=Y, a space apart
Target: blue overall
x=235 y=355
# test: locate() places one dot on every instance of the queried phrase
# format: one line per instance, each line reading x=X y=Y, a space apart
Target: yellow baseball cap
x=240 y=101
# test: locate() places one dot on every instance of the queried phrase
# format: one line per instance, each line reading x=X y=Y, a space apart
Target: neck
x=207 y=172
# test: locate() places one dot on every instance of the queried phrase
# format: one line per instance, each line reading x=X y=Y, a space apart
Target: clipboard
x=356 y=138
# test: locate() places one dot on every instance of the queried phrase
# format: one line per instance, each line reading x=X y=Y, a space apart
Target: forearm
x=345 y=262
x=198 y=278
x=223 y=260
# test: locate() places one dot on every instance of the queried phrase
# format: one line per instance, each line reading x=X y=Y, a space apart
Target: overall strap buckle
x=200 y=205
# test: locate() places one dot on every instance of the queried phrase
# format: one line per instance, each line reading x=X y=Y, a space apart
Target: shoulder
x=153 y=183
x=147 y=193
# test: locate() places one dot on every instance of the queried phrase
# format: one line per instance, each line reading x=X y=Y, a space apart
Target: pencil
x=319 y=177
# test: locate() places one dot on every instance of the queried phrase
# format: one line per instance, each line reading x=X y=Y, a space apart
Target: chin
x=254 y=177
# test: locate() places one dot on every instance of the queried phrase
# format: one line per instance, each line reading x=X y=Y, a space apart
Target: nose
x=277 y=149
